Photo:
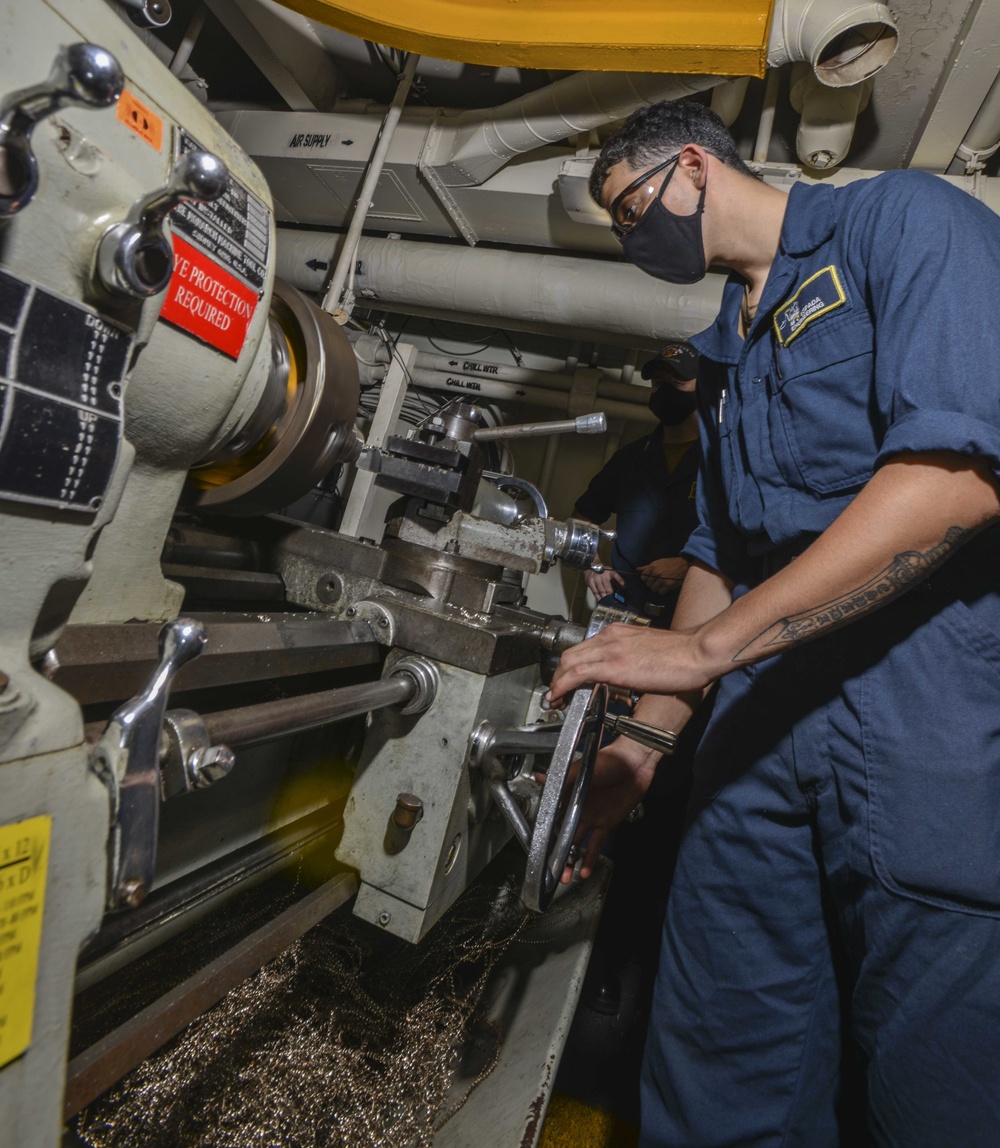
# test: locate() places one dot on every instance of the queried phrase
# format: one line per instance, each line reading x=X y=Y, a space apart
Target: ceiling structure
x=493 y=154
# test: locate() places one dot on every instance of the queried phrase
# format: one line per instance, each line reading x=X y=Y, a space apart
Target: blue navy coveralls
x=837 y=894
x=656 y=514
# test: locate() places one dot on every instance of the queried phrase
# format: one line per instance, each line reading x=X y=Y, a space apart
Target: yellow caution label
x=24 y=859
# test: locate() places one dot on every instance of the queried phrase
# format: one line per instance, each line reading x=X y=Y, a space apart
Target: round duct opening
x=853 y=54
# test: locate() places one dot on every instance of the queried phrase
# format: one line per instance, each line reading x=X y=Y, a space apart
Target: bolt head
x=133 y=893
x=384 y=918
x=210 y=765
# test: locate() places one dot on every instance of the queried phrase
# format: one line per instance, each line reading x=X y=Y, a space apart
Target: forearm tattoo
x=901 y=573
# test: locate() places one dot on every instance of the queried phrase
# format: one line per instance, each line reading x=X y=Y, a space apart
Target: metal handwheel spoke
x=566 y=785
x=574 y=748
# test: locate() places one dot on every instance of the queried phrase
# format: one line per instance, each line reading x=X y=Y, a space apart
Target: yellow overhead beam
x=721 y=37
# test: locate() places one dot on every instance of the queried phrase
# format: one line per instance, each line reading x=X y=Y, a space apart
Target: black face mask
x=672 y=406
x=668 y=246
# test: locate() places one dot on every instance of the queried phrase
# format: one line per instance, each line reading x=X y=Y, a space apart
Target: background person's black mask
x=668 y=246
x=672 y=406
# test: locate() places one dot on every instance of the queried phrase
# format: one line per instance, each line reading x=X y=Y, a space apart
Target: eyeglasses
x=627 y=208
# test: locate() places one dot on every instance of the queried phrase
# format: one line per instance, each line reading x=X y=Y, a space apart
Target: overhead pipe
x=727 y=99
x=614 y=301
x=983 y=138
x=471 y=147
x=633 y=409
x=767 y=113
x=552 y=400
x=373 y=354
x=545 y=397
x=189 y=40
x=827 y=117
x=843 y=44
x=345 y=261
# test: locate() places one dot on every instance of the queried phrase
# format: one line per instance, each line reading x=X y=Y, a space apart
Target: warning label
x=146 y=124
x=61 y=372
x=235 y=230
x=24 y=860
x=206 y=301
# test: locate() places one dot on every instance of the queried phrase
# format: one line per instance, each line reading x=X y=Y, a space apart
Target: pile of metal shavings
x=349 y=1039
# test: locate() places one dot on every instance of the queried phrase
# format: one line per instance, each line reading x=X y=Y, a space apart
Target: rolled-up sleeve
x=932 y=254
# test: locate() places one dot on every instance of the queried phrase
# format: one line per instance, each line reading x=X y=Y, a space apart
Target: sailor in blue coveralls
x=650 y=485
x=836 y=908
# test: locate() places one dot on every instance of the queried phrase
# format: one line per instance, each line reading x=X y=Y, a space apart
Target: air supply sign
x=208 y=302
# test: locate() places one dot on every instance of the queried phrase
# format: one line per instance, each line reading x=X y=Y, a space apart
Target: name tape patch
x=819 y=294
x=207 y=302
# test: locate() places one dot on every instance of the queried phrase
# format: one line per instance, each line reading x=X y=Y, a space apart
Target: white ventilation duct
x=467 y=149
x=609 y=301
x=827 y=117
x=844 y=44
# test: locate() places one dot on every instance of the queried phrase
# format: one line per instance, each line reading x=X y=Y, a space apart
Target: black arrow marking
x=317 y=264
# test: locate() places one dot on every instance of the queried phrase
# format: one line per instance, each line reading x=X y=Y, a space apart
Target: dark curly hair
x=652 y=133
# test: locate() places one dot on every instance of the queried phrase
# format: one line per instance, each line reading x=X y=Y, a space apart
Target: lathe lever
x=135 y=257
x=83 y=76
x=651 y=736
x=127 y=758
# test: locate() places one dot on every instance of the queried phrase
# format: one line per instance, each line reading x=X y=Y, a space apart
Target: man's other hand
x=602 y=584
x=663 y=575
x=622 y=774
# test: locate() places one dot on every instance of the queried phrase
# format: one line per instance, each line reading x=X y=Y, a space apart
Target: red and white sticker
x=206 y=301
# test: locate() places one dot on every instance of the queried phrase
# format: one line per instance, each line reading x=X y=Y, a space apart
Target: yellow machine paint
x=726 y=38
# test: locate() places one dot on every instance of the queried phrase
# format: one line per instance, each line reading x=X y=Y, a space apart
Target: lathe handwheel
x=563 y=795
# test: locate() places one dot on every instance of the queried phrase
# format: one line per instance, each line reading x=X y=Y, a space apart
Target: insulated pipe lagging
x=633 y=409
x=983 y=137
x=727 y=99
x=478 y=143
x=844 y=43
x=373 y=360
x=557 y=291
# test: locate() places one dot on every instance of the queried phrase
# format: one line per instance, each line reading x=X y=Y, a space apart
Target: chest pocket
x=822 y=407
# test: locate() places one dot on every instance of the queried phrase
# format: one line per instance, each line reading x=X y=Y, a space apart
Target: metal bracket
x=127 y=759
x=379 y=619
x=425 y=164
x=191 y=761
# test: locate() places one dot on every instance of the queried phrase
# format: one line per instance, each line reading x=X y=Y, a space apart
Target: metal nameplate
x=234 y=230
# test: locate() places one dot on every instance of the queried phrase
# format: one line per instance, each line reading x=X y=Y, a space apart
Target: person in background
x=650 y=485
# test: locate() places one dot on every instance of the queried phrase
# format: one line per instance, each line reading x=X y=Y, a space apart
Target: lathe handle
x=651 y=736
x=82 y=76
x=135 y=257
x=128 y=760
